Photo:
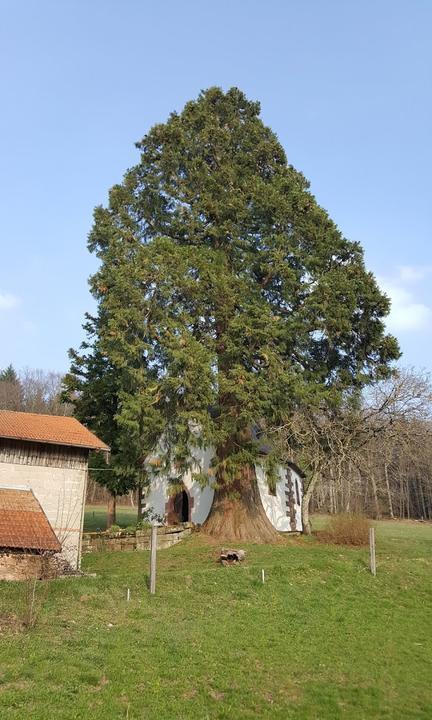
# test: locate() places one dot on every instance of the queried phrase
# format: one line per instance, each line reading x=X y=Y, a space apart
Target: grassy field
x=321 y=639
x=95 y=517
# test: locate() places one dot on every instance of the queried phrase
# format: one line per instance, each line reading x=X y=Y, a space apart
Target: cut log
x=230 y=557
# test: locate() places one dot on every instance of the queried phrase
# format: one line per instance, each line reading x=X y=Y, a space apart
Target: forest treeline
x=374 y=457
x=32 y=390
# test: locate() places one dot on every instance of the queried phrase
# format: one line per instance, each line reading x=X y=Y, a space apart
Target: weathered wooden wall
x=20 y=452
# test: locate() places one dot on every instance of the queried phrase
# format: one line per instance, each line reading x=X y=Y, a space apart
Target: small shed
x=28 y=544
x=48 y=454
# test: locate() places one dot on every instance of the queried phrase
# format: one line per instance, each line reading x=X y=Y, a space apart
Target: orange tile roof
x=55 y=429
x=23 y=523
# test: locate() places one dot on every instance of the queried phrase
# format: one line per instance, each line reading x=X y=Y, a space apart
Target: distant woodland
x=374 y=458
x=30 y=390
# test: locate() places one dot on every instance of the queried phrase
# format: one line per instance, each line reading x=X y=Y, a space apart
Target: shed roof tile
x=54 y=429
x=23 y=523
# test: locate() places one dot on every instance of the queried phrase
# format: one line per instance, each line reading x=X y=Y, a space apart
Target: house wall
x=277 y=507
x=57 y=475
x=156 y=496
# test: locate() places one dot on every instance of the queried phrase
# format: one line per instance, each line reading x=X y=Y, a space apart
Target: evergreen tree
x=11 y=391
x=226 y=298
x=9 y=375
x=93 y=387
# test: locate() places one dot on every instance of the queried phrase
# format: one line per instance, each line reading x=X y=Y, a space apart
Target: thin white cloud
x=406 y=312
x=414 y=273
x=7 y=301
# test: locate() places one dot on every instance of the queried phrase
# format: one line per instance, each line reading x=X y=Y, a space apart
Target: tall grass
x=346 y=529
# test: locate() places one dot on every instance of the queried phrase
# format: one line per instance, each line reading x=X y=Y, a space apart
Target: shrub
x=130 y=529
x=346 y=529
x=35 y=595
x=143 y=525
x=114 y=529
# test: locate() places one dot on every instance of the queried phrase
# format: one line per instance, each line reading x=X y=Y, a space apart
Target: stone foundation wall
x=167 y=536
x=27 y=566
x=140 y=540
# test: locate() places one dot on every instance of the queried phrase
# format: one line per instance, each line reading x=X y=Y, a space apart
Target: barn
x=28 y=545
x=47 y=456
x=192 y=502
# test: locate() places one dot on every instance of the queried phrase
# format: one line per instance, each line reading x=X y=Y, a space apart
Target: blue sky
x=345 y=85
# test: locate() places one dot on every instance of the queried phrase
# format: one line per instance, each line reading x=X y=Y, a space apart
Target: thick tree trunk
x=111 y=510
x=237 y=512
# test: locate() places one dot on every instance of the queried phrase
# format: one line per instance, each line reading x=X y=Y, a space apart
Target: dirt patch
x=11 y=624
x=15 y=685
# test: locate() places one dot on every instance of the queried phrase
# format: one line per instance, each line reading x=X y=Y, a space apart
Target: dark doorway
x=181 y=506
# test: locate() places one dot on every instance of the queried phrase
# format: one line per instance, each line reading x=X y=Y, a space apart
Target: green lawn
x=321 y=639
x=95 y=517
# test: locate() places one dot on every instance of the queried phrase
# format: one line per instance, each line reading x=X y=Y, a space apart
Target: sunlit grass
x=95 y=517
x=321 y=639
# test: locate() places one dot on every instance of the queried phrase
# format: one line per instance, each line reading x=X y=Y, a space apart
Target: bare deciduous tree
x=375 y=458
x=32 y=390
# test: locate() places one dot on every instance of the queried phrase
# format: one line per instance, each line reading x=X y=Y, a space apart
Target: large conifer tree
x=226 y=297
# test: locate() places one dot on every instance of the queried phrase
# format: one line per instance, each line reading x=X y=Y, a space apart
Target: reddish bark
x=237 y=512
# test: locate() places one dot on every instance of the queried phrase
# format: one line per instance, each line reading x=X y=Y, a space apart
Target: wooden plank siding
x=19 y=452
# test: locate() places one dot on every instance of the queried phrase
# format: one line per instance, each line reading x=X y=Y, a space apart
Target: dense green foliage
x=93 y=388
x=320 y=639
x=226 y=295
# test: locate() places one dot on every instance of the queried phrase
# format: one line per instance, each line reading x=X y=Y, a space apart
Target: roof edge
x=42 y=441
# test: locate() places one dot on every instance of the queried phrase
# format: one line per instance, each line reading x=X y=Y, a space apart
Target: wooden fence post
x=153 y=548
x=372 y=558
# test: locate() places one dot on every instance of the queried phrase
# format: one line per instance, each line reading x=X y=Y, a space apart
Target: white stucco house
x=47 y=456
x=193 y=502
